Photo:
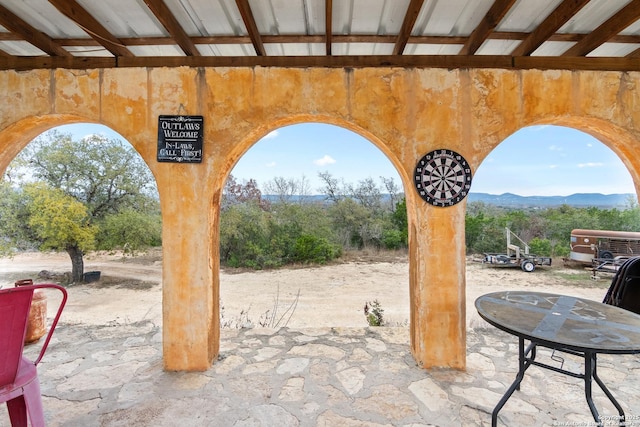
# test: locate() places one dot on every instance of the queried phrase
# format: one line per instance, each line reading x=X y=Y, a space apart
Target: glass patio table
x=565 y=323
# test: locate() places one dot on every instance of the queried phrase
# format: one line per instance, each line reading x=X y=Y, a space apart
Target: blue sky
x=535 y=161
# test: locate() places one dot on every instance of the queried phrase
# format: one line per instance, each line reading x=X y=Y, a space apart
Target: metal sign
x=180 y=139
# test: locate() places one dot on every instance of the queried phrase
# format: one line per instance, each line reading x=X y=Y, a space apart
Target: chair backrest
x=624 y=291
x=629 y=295
x=615 y=283
x=14 y=314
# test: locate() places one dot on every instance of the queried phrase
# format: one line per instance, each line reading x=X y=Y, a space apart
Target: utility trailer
x=516 y=256
x=587 y=245
x=604 y=250
x=606 y=265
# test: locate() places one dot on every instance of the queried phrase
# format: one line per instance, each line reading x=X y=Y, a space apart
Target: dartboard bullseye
x=443 y=178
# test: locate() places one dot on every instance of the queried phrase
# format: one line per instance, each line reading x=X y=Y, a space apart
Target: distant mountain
x=509 y=200
x=598 y=200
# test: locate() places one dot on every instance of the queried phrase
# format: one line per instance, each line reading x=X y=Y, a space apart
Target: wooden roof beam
x=354 y=61
x=490 y=21
x=565 y=11
x=252 y=27
x=91 y=26
x=413 y=10
x=634 y=54
x=321 y=38
x=618 y=22
x=29 y=34
x=328 y=17
x=169 y=21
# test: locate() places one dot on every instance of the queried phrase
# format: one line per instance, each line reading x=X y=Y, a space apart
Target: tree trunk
x=77 y=264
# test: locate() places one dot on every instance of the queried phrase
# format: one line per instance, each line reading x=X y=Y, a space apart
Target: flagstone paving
x=113 y=376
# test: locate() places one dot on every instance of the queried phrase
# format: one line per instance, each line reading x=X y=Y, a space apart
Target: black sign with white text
x=180 y=139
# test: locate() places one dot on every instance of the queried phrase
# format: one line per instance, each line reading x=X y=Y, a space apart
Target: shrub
x=393 y=239
x=540 y=247
x=374 y=313
x=309 y=248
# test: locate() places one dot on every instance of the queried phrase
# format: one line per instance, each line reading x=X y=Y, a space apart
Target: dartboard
x=443 y=177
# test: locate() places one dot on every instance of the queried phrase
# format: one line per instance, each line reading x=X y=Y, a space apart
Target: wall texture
x=404 y=112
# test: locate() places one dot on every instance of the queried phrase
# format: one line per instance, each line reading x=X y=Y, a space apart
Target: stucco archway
x=255 y=135
x=19 y=134
x=292 y=155
x=406 y=112
x=44 y=138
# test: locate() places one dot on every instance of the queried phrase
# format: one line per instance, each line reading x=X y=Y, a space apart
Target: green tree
x=547 y=231
x=104 y=176
x=310 y=248
x=360 y=216
x=400 y=221
x=130 y=230
x=62 y=223
x=631 y=217
x=473 y=229
x=540 y=247
x=244 y=235
x=348 y=218
x=14 y=234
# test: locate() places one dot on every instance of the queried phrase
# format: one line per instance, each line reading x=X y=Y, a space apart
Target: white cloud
x=271 y=164
x=553 y=166
x=590 y=165
x=98 y=138
x=326 y=160
x=271 y=135
x=537 y=128
x=555 y=148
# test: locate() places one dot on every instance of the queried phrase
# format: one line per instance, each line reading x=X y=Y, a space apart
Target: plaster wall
x=404 y=112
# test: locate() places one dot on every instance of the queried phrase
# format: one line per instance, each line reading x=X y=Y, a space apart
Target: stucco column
x=190 y=289
x=437 y=286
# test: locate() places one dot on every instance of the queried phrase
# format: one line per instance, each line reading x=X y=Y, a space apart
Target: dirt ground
x=321 y=296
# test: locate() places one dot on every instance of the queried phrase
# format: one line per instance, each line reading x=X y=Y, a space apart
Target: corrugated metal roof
x=592 y=15
x=452 y=33
x=450 y=17
x=525 y=16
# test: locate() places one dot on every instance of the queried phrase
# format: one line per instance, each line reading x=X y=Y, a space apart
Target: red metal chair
x=19 y=384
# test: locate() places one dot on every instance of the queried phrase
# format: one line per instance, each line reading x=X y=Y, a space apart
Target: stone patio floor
x=113 y=376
